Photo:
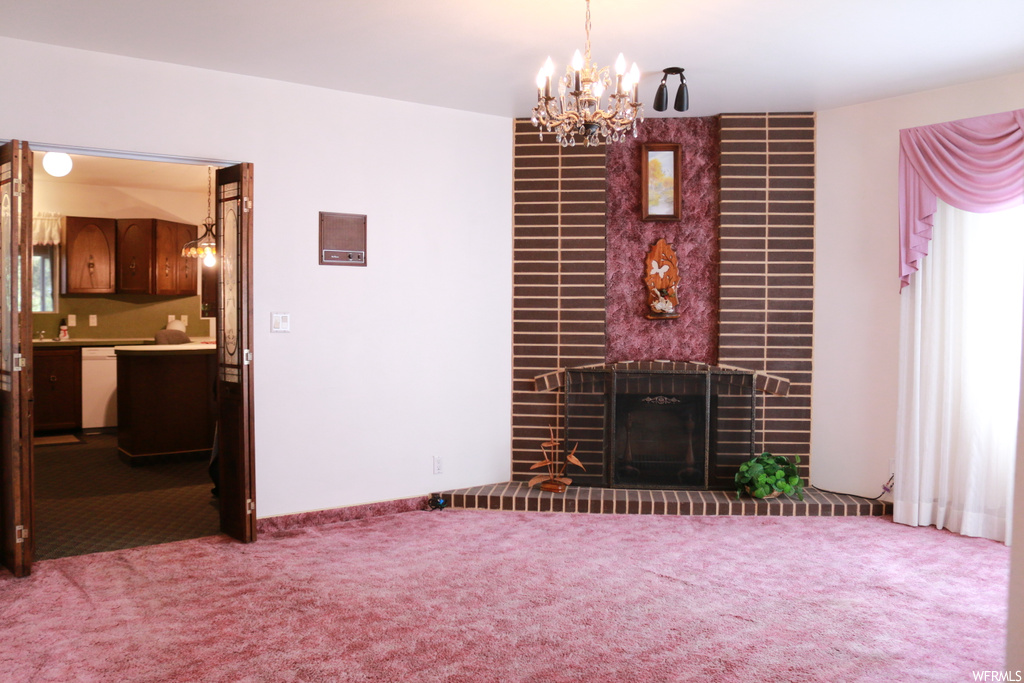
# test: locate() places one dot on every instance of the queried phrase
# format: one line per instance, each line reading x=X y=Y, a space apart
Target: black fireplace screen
x=665 y=430
x=658 y=441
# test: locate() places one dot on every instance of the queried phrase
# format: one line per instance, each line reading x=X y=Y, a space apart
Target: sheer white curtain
x=960 y=355
x=46 y=228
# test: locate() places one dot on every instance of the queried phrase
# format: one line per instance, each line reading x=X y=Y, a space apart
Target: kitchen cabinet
x=57 y=388
x=88 y=264
x=149 y=259
x=128 y=256
x=135 y=256
x=175 y=274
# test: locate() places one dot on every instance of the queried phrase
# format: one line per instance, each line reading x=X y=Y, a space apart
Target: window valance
x=973 y=164
x=46 y=228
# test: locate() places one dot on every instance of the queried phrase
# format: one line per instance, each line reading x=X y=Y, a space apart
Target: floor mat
x=56 y=440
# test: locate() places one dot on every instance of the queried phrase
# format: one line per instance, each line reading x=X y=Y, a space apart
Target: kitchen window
x=44 y=256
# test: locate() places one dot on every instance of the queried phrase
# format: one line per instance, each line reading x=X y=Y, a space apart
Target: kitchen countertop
x=166 y=349
x=43 y=343
x=135 y=341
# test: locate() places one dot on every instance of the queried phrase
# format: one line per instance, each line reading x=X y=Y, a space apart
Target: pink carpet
x=473 y=595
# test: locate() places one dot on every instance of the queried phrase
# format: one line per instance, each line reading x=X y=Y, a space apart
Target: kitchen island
x=166 y=408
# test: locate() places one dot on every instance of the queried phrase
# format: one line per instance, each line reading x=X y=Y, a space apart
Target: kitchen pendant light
x=206 y=246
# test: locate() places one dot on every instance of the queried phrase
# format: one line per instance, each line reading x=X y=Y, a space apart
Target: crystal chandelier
x=577 y=109
x=206 y=246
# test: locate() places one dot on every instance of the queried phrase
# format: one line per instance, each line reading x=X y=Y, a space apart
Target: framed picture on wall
x=659 y=178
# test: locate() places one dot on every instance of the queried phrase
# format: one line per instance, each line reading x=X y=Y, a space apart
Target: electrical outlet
x=184 y=320
x=92 y=321
x=170 y=318
x=72 y=320
x=437 y=464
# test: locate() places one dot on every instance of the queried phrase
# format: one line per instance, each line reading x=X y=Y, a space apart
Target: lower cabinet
x=57 y=388
x=166 y=407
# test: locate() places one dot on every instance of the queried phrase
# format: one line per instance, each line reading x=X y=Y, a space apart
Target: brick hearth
x=516 y=495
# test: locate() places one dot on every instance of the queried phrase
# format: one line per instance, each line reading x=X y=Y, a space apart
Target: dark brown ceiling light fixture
x=682 y=102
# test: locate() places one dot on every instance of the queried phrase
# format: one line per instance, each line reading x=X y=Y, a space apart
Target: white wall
x=856 y=306
x=385 y=365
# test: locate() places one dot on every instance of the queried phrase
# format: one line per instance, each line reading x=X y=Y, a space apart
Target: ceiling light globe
x=57 y=164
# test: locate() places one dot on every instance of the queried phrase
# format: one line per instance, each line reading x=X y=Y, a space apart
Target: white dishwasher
x=99 y=387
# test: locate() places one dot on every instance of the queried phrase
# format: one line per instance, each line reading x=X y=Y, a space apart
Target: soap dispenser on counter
x=63 y=334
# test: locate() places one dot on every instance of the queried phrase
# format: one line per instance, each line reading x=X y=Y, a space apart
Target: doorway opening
x=98 y=486
x=232 y=201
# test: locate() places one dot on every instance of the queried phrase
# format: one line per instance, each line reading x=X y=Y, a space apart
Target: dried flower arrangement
x=555 y=479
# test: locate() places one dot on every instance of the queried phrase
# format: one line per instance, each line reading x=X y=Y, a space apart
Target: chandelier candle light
x=577 y=109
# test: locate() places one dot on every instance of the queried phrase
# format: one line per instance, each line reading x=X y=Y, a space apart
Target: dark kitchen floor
x=88 y=501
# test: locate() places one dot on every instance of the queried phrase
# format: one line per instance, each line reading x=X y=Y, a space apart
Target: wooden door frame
x=234 y=356
x=25 y=421
x=17 y=506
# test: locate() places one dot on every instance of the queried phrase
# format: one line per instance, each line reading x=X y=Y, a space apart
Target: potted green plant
x=767 y=476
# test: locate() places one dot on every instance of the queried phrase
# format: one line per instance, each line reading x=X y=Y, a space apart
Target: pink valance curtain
x=974 y=165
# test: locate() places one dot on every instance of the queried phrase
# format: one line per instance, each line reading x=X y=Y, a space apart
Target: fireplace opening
x=659 y=424
x=659 y=441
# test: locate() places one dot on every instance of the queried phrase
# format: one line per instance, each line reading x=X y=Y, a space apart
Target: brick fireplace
x=746 y=254
x=746 y=258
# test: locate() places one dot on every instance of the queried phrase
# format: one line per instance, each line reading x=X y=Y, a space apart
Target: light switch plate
x=170 y=318
x=72 y=320
x=280 y=322
x=92 y=321
x=184 y=320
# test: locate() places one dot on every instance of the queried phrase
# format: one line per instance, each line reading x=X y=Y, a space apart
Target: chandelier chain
x=587 y=61
x=209 y=194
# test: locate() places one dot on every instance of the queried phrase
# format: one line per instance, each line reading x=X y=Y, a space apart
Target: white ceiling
x=114 y=172
x=482 y=55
